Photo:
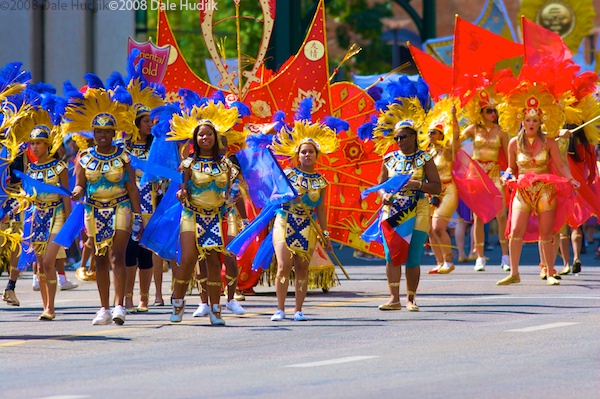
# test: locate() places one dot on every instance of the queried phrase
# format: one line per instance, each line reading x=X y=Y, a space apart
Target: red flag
x=475 y=188
x=437 y=75
x=477 y=51
x=540 y=42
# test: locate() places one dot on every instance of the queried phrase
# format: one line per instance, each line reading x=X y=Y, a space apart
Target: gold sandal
x=390 y=306
x=412 y=306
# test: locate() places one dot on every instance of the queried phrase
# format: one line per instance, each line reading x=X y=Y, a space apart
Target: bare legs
x=442 y=247
x=115 y=257
x=518 y=227
x=157 y=271
x=48 y=266
x=285 y=261
x=459 y=236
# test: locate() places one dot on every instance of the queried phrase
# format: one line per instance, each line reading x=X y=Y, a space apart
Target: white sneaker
x=102 y=317
x=505 y=263
x=178 y=310
x=66 y=285
x=278 y=316
x=299 y=316
x=36 y=283
x=118 y=314
x=235 y=307
x=480 y=265
x=203 y=310
x=215 y=316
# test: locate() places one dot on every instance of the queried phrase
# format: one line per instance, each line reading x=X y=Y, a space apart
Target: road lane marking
x=541 y=327
x=66 y=397
x=332 y=361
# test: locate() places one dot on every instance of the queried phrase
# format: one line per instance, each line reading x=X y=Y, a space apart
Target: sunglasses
x=402 y=137
x=489 y=110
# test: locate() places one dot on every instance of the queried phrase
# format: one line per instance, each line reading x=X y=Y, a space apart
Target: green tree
x=355 y=23
x=186 y=27
x=362 y=25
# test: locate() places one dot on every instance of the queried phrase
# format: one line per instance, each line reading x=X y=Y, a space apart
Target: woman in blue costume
x=136 y=256
x=400 y=123
x=104 y=175
x=204 y=193
x=236 y=221
x=49 y=210
x=144 y=98
x=12 y=82
x=295 y=230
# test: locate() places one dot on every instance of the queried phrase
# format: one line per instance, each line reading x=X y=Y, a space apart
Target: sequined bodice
x=413 y=164
x=537 y=164
x=486 y=149
x=308 y=185
x=140 y=152
x=105 y=174
x=47 y=173
x=208 y=181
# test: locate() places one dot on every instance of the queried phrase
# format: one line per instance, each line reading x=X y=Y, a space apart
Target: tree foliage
x=355 y=21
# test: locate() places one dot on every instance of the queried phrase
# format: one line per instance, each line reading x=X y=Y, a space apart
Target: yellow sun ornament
x=571 y=19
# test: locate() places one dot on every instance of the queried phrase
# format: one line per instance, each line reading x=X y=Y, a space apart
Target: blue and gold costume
x=204 y=211
x=408 y=202
x=48 y=209
x=107 y=203
x=148 y=190
x=293 y=226
x=292 y=223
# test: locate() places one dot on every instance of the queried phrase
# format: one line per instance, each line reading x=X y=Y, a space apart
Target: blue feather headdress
x=12 y=80
x=402 y=99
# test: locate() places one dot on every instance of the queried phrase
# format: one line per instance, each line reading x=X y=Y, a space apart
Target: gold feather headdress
x=221 y=118
x=485 y=97
x=439 y=118
x=37 y=125
x=407 y=108
x=531 y=99
x=97 y=111
x=144 y=100
x=288 y=141
x=590 y=109
x=11 y=134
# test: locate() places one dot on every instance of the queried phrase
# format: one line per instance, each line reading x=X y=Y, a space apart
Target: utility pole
x=426 y=25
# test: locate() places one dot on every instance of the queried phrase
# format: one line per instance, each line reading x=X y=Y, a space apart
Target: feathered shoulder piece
x=439 y=118
x=323 y=135
x=403 y=109
x=98 y=108
x=531 y=99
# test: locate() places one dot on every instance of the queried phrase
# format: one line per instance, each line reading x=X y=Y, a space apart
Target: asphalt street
x=471 y=339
